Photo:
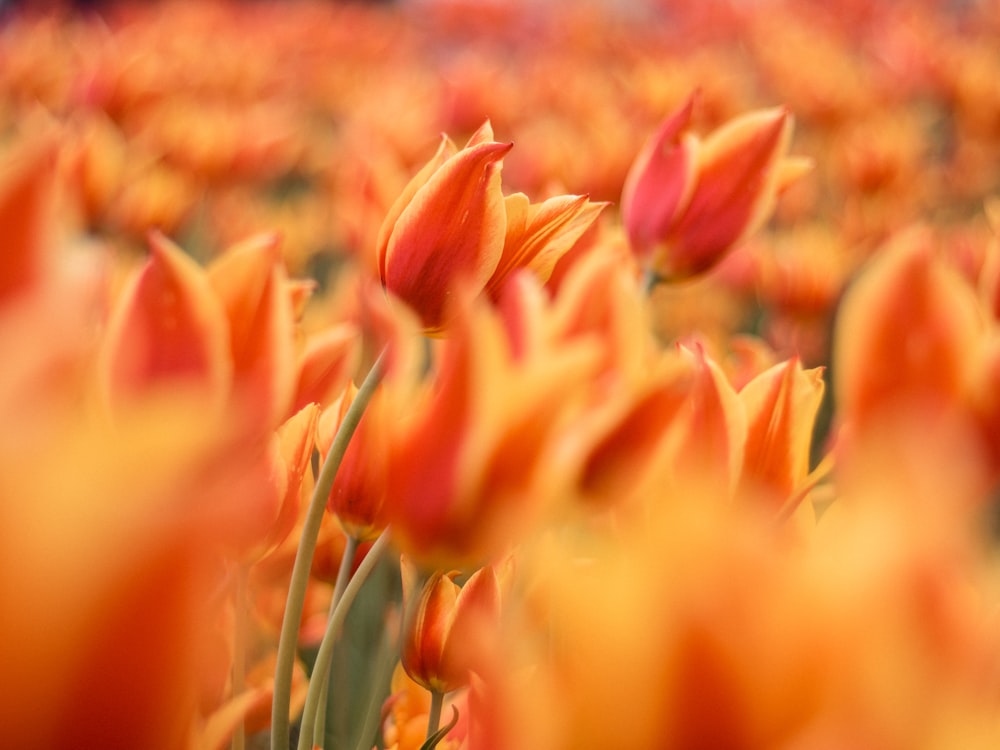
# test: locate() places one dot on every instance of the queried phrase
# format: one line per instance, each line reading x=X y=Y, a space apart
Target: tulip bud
x=447 y=624
x=686 y=203
x=447 y=227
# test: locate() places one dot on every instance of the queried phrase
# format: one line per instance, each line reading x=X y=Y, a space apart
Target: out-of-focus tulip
x=781 y=406
x=288 y=456
x=447 y=630
x=907 y=362
x=250 y=281
x=904 y=334
x=469 y=466
x=168 y=330
x=447 y=227
x=357 y=497
x=686 y=202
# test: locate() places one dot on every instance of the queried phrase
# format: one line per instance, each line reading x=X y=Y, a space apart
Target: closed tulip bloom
x=687 y=202
x=447 y=227
x=447 y=624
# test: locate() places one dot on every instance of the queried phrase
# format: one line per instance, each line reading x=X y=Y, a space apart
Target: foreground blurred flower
x=687 y=202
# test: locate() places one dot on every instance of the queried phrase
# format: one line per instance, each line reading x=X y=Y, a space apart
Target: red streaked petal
x=446 y=149
x=453 y=229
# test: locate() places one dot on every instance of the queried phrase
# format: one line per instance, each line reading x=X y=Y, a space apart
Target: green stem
x=434 y=716
x=343 y=575
x=239 y=646
x=321 y=666
x=650 y=279
x=288 y=640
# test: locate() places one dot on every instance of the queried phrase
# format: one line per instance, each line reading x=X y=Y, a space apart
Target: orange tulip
x=357 y=497
x=904 y=334
x=447 y=227
x=448 y=626
x=781 y=405
x=467 y=467
x=169 y=329
x=250 y=280
x=687 y=202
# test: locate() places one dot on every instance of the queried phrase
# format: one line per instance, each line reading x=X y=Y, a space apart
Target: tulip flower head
x=448 y=226
x=441 y=636
x=687 y=202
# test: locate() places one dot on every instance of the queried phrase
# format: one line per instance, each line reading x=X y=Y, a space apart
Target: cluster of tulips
x=687 y=438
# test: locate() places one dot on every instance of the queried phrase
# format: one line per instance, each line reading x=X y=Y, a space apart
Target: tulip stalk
x=295 y=602
x=434 y=715
x=343 y=576
x=322 y=665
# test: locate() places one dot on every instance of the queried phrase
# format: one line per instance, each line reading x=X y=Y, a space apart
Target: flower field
x=500 y=375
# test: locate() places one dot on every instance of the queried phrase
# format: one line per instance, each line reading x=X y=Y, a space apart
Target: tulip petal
x=250 y=280
x=168 y=327
x=659 y=182
x=541 y=234
x=734 y=192
x=25 y=199
x=452 y=229
x=781 y=405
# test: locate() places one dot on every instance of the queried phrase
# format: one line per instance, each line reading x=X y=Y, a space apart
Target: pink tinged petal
x=734 y=193
x=659 y=182
x=168 y=328
x=250 y=280
x=25 y=202
x=453 y=230
x=446 y=149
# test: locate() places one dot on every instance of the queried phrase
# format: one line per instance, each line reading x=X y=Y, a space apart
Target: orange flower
x=169 y=329
x=448 y=226
x=687 y=202
x=357 y=497
x=250 y=280
x=781 y=405
x=904 y=334
x=452 y=225
x=468 y=468
x=448 y=627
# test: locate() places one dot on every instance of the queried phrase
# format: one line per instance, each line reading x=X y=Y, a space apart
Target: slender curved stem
x=288 y=640
x=343 y=575
x=325 y=654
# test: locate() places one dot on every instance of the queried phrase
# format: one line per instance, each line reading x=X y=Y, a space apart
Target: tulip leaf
x=431 y=742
